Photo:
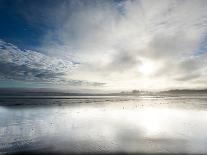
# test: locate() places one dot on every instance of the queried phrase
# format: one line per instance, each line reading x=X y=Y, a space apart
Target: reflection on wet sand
x=132 y=126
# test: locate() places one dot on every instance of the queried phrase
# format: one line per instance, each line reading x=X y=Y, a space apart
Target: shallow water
x=105 y=124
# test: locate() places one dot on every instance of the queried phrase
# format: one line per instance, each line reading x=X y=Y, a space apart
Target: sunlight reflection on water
x=127 y=126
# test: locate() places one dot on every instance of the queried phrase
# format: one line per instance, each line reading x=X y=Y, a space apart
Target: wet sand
x=104 y=125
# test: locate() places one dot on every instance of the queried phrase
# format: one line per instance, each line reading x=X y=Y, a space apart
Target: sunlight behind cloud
x=146 y=68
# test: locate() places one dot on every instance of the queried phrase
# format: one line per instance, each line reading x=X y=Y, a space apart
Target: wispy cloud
x=26 y=65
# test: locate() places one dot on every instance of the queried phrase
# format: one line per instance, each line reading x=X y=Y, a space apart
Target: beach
x=119 y=124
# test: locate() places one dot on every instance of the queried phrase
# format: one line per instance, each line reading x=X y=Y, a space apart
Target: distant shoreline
x=43 y=93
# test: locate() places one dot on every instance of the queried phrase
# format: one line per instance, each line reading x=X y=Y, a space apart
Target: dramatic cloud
x=126 y=44
x=27 y=65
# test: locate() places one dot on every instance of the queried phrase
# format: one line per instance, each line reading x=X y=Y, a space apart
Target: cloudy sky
x=106 y=45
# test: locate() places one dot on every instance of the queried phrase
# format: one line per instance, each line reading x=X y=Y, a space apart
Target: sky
x=110 y=45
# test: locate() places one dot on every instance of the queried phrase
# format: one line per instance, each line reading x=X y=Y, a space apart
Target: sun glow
x=146 y=68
